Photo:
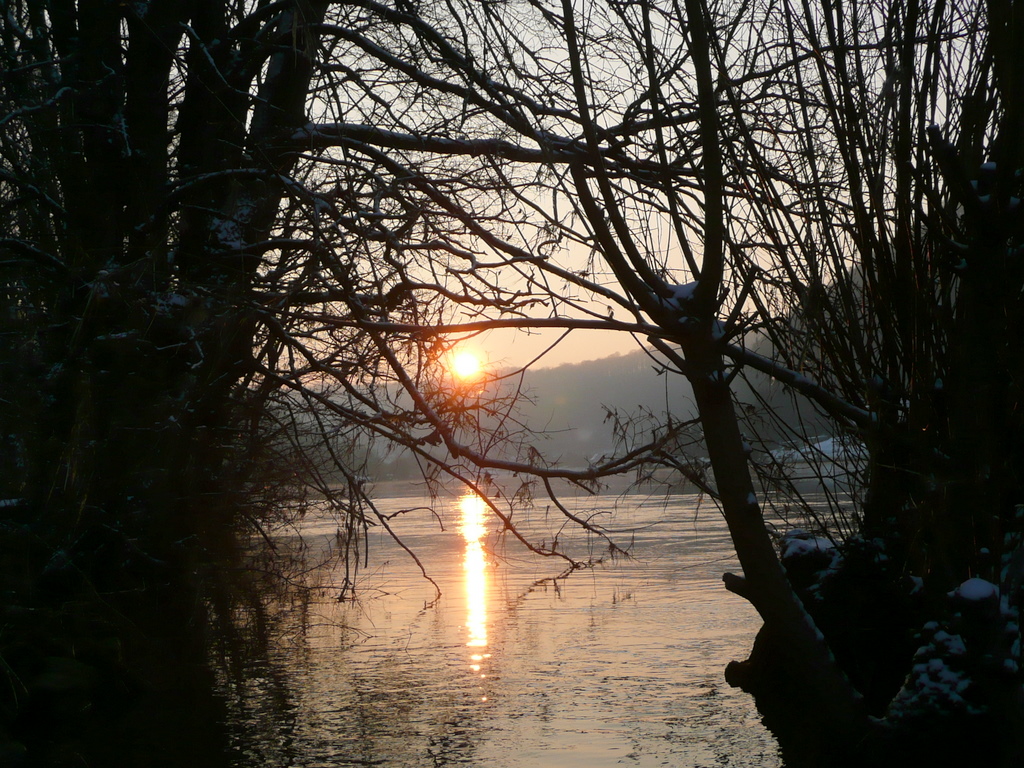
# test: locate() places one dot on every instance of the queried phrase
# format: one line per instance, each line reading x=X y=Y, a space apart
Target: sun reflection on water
x=474 y=564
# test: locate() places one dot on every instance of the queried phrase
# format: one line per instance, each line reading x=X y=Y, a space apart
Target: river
x=619 y=664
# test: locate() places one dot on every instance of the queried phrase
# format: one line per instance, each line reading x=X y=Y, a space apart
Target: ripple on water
x=618 y=665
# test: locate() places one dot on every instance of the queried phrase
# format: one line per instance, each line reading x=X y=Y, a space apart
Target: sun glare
x=466 y=365
x=473 y=529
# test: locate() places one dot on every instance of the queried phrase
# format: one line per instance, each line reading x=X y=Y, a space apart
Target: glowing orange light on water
x=474 y=564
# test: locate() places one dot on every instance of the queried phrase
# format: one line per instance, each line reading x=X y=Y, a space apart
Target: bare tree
x=315 y=201
x=207 y=304
x=709 y=172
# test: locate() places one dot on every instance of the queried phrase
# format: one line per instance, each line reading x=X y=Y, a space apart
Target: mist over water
x=620 y=664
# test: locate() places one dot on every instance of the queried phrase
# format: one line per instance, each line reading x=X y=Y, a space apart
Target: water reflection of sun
x=474 y=564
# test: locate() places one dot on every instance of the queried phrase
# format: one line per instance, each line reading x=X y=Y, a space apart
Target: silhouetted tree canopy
x=242 y=238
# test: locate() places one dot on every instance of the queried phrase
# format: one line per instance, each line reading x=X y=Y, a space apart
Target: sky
x=514 y=348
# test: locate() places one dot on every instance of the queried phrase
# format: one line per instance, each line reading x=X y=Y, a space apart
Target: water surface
x=620 y=664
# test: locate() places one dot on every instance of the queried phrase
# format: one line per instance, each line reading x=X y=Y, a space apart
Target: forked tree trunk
x=833 y=709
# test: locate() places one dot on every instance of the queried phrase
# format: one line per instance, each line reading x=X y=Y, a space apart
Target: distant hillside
x=570 y=401
x=566 y=406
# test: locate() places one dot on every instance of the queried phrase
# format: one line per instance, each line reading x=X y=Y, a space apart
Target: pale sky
x=511 y=348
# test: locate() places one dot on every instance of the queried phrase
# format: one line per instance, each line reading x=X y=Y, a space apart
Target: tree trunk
x=830 y=713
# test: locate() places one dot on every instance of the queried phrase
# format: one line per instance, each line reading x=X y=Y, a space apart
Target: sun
x=466 y=365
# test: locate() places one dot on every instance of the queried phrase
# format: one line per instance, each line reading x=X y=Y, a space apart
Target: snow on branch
x=335 y=134
x=827 y=400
